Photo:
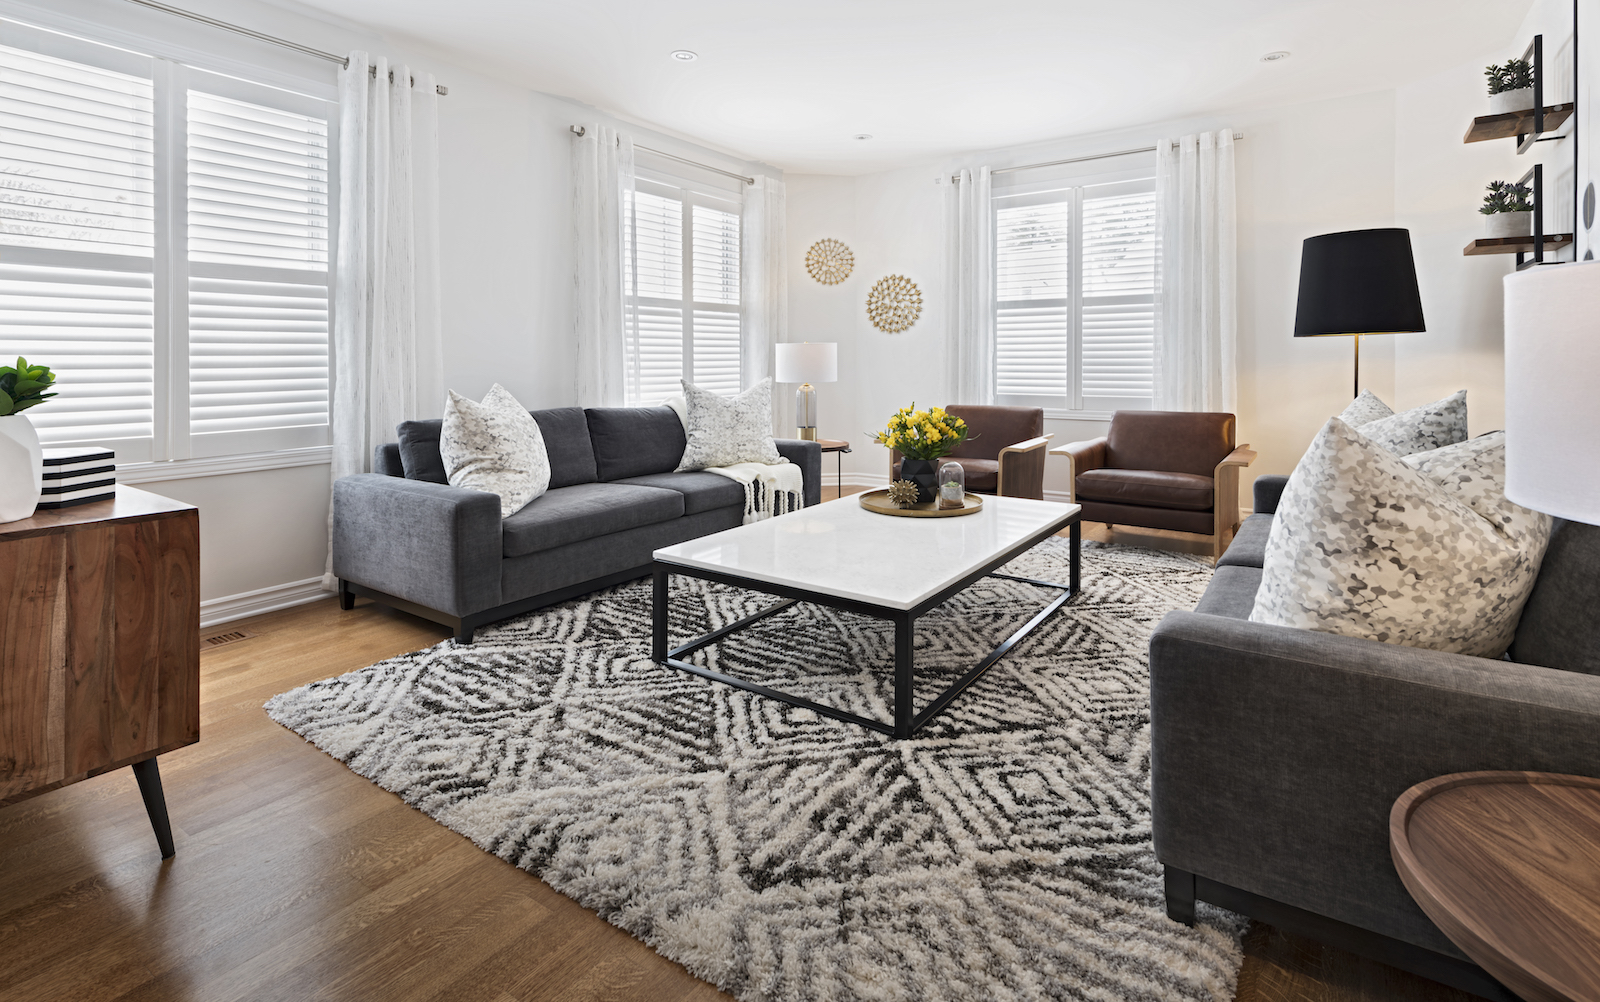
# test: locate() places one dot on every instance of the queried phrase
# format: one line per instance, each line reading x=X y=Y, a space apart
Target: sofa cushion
x=494 y=446
x=1560 y=625
x=1423 y=551
x=1249 y=546
x=583 y=511
x=1150 y=488
x=701 y=491
x=982 y=475
x=634 y=441
x=566 y=443
x=723 y=431
x=1231 y=593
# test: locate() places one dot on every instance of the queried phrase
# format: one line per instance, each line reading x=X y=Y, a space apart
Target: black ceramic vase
x=925 y=474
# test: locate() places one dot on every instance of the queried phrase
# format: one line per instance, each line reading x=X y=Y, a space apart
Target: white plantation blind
x=258 y=198
x=681 y=277
x=1075 y=296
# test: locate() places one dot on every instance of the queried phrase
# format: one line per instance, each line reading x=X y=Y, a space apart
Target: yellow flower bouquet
x=929 y=434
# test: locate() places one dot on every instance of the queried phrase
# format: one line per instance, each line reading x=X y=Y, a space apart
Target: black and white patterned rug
x=1002 y=853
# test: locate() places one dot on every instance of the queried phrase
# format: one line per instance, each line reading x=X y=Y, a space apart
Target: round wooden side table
x=1507 y=864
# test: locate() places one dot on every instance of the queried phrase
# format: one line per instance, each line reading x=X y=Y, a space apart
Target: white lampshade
x=1553 y=390
x=808 y=362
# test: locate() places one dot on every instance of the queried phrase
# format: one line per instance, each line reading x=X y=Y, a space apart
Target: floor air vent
x=218 y=639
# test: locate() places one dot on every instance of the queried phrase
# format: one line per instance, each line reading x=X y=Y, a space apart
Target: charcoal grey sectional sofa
x=403 y=536
x=1277 y=753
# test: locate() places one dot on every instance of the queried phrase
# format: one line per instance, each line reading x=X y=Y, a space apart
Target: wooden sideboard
x=99 y=645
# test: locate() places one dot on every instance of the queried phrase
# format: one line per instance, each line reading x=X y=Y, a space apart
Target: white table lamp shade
x=1553 y=390
x=808 y=362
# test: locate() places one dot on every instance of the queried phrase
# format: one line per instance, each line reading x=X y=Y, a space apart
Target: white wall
x=506 y=283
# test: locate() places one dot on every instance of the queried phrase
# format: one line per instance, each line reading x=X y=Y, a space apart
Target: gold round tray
x=879 y=502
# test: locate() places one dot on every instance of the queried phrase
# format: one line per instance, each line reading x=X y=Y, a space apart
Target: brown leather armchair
x=1162 y=470
x=1004 y=452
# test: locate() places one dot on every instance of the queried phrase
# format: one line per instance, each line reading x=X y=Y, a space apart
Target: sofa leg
x=1180 y=895
x=347 y=598
x=463 y=634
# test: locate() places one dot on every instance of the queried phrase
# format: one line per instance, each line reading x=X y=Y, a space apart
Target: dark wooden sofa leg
x=1180 y=895
x=347 y=598
x=155 y=804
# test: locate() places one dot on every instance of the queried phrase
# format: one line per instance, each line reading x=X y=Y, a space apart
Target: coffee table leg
x=904 y=708
x=658 y=615
x=1075 y=536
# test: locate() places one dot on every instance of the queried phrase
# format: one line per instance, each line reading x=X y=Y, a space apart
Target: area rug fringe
x=1003 y=853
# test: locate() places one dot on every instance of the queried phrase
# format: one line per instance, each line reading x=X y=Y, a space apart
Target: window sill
x=218 y=466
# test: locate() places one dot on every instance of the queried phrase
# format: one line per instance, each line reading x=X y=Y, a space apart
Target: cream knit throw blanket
x=768 y=490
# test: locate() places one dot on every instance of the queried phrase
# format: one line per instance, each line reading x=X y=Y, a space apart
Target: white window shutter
x=1118 y=299
x=1033 y=298
x=716 y=300
x=653 y=277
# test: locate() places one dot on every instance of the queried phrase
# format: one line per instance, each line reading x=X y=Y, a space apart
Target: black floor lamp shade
x=1358 y=282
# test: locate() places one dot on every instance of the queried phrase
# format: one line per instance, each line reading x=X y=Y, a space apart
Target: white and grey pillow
x=494 y=446
x=1422 y=552
x=727 y=430
x=1430 y=426
x=1367 y=407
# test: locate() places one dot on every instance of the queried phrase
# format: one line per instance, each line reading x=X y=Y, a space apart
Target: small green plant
x=1514 y=75
x=1507 y=197
x=24 y=386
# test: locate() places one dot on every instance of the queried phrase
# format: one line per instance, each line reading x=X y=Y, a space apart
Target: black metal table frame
x=906 y=720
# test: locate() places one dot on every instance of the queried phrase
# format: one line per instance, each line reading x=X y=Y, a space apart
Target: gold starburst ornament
x=894 y=304
x=903 y=493
x=829 y=261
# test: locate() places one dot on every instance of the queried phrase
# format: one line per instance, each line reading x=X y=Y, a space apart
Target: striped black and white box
x=79 y=475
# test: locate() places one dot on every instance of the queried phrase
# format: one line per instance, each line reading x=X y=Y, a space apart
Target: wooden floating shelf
x=1515 y=245
x=1516 y=123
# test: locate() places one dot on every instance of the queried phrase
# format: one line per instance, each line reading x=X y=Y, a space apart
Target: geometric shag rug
x=1002 y=853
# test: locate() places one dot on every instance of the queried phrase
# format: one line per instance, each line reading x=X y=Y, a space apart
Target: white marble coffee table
x=841 y=555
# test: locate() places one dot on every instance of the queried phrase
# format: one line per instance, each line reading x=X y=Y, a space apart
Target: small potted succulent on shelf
x=1509 y=208
x=1510 y=87
x=923 y=438
x=21 y=461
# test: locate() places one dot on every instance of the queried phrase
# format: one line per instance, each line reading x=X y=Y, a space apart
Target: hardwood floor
x=297 y=879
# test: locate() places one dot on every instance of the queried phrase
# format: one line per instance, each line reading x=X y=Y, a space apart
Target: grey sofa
x=404 y=537
x=1277 y=753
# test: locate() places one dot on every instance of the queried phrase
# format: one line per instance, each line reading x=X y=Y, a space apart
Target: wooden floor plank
x=297 y=879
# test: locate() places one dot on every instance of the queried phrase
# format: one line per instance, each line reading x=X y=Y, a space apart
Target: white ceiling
x=790 y=84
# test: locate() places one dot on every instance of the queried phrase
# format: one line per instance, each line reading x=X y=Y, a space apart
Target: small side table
x=1507 y=864
x=840 y=447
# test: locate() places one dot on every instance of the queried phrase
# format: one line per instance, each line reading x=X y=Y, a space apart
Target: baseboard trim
x=253 y=603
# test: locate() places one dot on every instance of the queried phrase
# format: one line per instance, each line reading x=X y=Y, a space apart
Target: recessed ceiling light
x=862 y=135
x=684 y=55
x=1273 y=57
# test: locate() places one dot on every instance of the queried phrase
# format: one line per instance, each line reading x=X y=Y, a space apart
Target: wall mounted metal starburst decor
x=894 y=304
x=829 y=261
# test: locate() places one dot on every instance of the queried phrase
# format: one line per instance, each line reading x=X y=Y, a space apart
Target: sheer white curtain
x=969 y=267
x=1196 y=357
x=387 y=353
x=602 y=187
x=763 y=279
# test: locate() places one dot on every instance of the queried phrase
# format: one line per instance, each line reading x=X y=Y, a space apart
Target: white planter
x=21 y=467
x=1507 y=101
x=1509 y=224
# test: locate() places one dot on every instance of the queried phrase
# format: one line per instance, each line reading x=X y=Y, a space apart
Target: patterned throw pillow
x=1431 y=426
x=494 y=446
x=1424 y=551
x=727 y=430
x=1364 y=408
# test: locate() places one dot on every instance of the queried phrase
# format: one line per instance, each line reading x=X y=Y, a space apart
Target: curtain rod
x=956 y=178
x=580 y=131
x=344 y=61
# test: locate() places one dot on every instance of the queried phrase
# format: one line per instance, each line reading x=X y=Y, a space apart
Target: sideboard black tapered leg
x=155 y=804
x=1180 y=895
x=347 y=598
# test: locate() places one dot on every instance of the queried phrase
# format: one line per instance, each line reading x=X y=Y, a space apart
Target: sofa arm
x=432 y=544
x=1268 y=490
x=807 y=456
x=1277 y=754
x=1081 y=458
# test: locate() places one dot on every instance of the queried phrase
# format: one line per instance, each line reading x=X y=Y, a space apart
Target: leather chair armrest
x=1081 y=458
x=1022 y=469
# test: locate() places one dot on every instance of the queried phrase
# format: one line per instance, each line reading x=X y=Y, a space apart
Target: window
x=681 y=281
x=164 y=238
x=1075 y=296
